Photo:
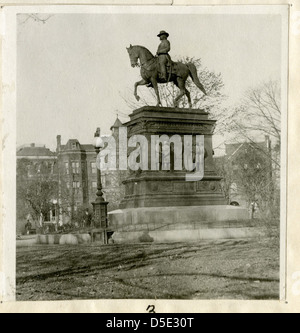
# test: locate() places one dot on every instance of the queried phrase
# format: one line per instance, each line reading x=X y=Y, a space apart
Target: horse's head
x=133 y=55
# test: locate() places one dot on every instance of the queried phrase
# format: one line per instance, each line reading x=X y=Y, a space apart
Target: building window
x=37 y=168
x=28 y=171
x=67 y=167
x=94 y=184
x=76 y=184
x=93 y=166
x=82 y=167
x=75 y=167
x=76 y=206
x=74 y=145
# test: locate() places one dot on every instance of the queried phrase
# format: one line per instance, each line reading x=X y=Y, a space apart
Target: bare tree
x=36 y=188
x=40 y=18
x=248 y=176
x=225 y=170
x=259 y=113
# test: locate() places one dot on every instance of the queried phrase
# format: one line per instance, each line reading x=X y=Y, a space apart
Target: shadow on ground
x=222 y=269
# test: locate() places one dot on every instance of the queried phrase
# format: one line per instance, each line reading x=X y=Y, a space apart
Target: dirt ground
x=220 y=269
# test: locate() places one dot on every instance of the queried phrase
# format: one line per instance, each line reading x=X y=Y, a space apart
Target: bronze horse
x=177 y=72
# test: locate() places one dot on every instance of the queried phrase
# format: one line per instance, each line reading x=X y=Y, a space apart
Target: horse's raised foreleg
x=139 y=83
x=155 y=86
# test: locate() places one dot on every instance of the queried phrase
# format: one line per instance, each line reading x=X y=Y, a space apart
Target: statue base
x=163 y=189
x=181 y=224
x=162 y=206
x=169 y=188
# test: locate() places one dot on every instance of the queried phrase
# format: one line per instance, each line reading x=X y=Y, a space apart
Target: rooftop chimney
x=268 y=142
x=32 y=145
x=58 y=140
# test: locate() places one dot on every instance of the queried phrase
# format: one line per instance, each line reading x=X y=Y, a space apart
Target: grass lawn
x=219 y=269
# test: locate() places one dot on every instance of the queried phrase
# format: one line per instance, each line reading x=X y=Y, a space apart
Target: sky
x=73 y=71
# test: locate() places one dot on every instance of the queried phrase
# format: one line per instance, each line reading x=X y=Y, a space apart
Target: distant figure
x=256 y=208
x=87 y=218
x=253 y=209
x=41 y=220
x=60 y=225
x=29 y=217
x=28 y=227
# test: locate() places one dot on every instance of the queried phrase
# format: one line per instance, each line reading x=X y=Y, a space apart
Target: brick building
x=77 y=181
x=73 y=170
x=36 y=164
x=77 y=177
x=249 y=173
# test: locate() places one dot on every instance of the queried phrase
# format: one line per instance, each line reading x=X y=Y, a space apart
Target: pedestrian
x=88 y=218
x=60 y=225
x=83 y=223
x=41 y=221
x=28 y=227
x=253 y=209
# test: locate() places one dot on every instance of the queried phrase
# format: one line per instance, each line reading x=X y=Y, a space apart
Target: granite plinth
x=171 y=224
x=185 y=235
x=162 y=205
x=164 y=188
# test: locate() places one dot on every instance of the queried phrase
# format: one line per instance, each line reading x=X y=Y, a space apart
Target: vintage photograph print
x=151 y=153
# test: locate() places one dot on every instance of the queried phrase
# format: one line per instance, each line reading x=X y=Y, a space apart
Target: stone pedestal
x=180 y=224
x=163 y=188
x=162 y=205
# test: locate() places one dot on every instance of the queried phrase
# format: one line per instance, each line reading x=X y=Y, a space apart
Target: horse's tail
x=193 y=74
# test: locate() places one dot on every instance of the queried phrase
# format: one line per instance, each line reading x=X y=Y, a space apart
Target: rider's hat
x=163 y=33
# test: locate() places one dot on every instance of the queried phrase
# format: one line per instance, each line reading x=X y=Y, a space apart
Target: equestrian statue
x=161 y=69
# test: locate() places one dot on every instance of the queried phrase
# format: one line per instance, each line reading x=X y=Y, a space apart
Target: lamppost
x=56 y=213
x=100 y=205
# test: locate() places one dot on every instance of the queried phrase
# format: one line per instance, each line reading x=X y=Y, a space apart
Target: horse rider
x=162 y=53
